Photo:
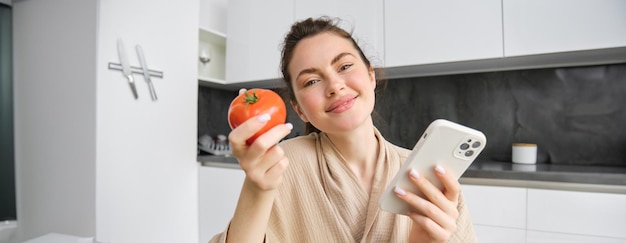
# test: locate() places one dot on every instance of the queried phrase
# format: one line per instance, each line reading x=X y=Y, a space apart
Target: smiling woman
x=333 y=178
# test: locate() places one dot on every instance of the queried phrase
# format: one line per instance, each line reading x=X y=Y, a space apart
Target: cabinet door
x=426 y=32
x=364 y=17
x=547 y=237
x=493 y=234
x=218 y=195
x=496 y=206
x=255 y=33
x=581 y=213
x=537 y=26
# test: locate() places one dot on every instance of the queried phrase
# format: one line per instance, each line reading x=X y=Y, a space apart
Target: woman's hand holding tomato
x=254 y=102
x=257 y=128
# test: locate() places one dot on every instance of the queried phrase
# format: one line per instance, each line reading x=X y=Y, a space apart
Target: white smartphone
x=446 y=143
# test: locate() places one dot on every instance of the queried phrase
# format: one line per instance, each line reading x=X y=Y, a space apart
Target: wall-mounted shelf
x=211 y=45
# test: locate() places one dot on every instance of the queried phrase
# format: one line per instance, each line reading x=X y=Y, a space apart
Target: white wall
x=54 y=157
x=90 y=159
x=146 y=180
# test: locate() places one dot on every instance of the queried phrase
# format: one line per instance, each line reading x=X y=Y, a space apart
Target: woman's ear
x=296 y=108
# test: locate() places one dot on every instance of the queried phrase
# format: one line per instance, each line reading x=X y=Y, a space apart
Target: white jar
x=524 y=153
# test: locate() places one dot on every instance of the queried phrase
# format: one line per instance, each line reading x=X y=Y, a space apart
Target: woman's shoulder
x=301 y=149
x=304 y=142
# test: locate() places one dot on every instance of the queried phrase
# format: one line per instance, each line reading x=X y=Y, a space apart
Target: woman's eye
x=310 y=82
x=344 y=67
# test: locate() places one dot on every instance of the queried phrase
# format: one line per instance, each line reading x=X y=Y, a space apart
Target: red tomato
x=255 y=102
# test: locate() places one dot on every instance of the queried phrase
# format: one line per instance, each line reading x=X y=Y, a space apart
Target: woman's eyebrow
x=314 y=70
x=341 y=55
x=306 y=71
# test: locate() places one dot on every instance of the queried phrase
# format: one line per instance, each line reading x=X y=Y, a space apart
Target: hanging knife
x=126 y=67
x=146 y=74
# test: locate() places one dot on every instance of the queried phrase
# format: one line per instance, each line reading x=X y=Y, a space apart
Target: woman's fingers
x=447 y=199
x=238 y=136
x=438 y=206
x=263 y=161
x=435 y=233
x=452 y=188
x=438 y=197
x=270 y=138
x=421 y=206
x=267 y=171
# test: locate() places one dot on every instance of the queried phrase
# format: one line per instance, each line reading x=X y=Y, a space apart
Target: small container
x=524 y=153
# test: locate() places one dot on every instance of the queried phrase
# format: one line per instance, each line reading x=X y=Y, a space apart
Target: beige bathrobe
x=321 y=200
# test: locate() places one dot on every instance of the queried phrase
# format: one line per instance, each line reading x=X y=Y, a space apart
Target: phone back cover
x=440 y=144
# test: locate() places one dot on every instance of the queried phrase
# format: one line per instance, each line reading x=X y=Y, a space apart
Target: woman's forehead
x=320 y=48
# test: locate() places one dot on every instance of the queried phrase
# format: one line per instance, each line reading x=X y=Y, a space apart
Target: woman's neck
x=356 y=145
x=360 y=149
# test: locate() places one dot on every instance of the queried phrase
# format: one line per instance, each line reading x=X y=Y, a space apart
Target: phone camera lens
x=476 y=144
x=464 y=146
x=469 y=153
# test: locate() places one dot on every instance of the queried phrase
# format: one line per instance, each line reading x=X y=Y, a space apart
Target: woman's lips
x=342 y=104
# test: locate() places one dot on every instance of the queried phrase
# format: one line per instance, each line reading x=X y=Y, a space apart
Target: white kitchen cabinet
x=211 y=57
x=494 y=234
x=91 y=160
x=498 y=213
x=213 y=14
x=255 y=33
x=549 y=237
x=255 y=37
x=519 y=214
x=580 y=213
x=219 y=192
x=496 y=206
x=426 y=32
x=540 y=27
x=364 y=17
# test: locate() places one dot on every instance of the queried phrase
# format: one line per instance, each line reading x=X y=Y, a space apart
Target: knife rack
x=137 y=70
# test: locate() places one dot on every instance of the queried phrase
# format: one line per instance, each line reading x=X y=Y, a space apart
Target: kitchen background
x=71 y=174
x=574 y=114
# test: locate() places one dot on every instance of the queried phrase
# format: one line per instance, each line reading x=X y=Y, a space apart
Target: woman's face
x=334 y=89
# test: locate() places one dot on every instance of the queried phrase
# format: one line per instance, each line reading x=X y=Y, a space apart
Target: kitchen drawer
x=496 y=206
x=582 y=213
x=547 y=237
x=492 y=234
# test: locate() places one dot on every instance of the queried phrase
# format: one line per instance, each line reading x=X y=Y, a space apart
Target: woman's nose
x=335 y=85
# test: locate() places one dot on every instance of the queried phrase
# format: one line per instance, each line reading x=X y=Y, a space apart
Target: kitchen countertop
x=495 y=173
x=589 y=178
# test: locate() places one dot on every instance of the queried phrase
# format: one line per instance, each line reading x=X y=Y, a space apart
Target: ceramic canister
x=524 y=153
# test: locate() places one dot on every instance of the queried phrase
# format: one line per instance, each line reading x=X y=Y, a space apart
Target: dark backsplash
x=575 y=115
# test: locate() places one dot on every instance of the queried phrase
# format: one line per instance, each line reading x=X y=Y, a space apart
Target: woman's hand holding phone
x=426 y=188
x=434 y=217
